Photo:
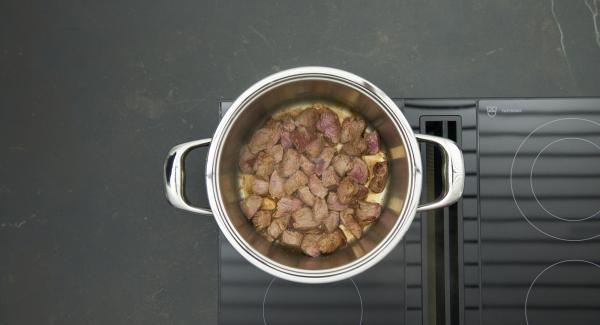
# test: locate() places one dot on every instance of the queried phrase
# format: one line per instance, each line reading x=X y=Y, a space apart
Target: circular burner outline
x=512 y=190
x=273 y=280
x=531 y=179
x=544 y=271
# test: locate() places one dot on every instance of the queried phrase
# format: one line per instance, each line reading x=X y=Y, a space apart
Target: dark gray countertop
x=94 y=95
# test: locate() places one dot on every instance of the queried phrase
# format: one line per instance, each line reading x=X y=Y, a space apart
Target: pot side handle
x=174 y=175
x=453 y=172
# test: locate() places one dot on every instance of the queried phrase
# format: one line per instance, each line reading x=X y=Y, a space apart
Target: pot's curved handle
x=174 y=176
x=453 y=172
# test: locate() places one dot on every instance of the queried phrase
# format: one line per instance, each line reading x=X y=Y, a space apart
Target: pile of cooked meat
x=307 y=181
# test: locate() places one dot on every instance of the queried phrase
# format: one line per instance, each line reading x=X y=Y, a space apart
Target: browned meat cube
x=308 y=118
x=303 y=219
x=286 y=139
x=346 y=190
x=380 y=172
x=287 y=123
x=264 y=165
x=306 y=196
x=328 y=243
x=301 y=137
x=362 y=192
x=333 y=203
x=332 y=221
x=259 y=186
x=347 y=219
x=290 y=162
x=342 y=164
x=287 y=205
x=367 y=211
x=324 y=159
x=359 y=172
x=352 y=128
x=316 y=186
x=276 y=185
x=262 y=219
x=310 y=245
x=263 y=138
x=296 y=181
x=250 y=205
x=306 y=165
x=329 y=178
x=278 y=226
x=329 y=124
x=355 y=147
x=320 y=210
x=292 y=238
x=372 y=140
x=314 y=148
x=276 y=152
x=246 y=160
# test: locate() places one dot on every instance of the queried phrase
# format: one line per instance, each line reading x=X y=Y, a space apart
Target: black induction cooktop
x=521 y=247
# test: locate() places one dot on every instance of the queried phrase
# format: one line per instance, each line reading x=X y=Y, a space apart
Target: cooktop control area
x=521 y=247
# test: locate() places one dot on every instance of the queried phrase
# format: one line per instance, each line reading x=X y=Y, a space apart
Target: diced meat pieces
x=276 y=152
x=247 y=159
x=323 y=160
x=263 y=138
x=355 y=147
x=302 y=189
x=346 y=190
x=286 y=140
x=352 y=128
x=372 y=140
x=278 y=226
x=329 y=124
x=276 y=185
x=262 y=219
x=359 y=172
x=310 y=245
x=290 y=162
x=301 y=137
x=264 y=165
x=314 y=148
x=308 y=118
x=316 y=186
x=297 y=180
x=292 y=238
x=320 y=210
x=332 y=221
x=330 y=178
x=333 y=203
x=328 y=243
x=347 y=219
x=380 y=172
x=342 y=164
x=367 y=211
x=303 y=219
x=307 y=166
x=259 y=186
x=306 y=196
x=287 y=205
x=250 y=205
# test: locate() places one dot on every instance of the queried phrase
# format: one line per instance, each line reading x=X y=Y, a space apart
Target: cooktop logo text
x=493 y=110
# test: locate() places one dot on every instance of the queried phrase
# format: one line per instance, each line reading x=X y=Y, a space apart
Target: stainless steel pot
x=313 y=84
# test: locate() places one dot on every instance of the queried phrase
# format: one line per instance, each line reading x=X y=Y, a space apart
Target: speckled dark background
x=92 y=96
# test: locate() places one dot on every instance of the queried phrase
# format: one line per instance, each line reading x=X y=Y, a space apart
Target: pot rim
x=385 y=246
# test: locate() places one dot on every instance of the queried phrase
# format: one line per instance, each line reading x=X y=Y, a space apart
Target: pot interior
x=296 y=92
